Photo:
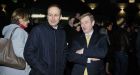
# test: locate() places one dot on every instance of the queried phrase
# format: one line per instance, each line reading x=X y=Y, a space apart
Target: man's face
x=87 y=24
x=53 y=16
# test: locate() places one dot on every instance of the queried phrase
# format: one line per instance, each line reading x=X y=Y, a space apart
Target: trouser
x=121 y=63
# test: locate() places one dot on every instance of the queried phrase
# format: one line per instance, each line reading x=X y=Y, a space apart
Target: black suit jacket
x=97 y=48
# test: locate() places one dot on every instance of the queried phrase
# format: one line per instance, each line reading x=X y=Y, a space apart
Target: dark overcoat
x=44 y=50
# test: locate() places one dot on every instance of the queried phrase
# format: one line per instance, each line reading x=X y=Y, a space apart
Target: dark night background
x=105 y=9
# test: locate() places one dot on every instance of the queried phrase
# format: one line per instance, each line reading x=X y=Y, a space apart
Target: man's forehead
x=85 y=18
x=53 y=8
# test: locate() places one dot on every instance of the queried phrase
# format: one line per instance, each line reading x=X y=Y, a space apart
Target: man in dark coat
x=44 y=50
x=88 y=56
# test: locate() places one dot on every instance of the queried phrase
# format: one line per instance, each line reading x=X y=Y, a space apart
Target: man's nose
x=53 y=17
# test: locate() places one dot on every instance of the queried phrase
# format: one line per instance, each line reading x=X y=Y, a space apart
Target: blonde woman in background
x=19 y=20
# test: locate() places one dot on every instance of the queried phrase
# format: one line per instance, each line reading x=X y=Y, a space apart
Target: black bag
x=7 y=55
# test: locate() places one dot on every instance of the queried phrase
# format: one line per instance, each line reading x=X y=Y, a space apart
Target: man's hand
x=92 y=59
x=80 y=51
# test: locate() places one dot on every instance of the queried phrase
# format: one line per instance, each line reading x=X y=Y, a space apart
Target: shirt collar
x=90 y=33
x=55 y=27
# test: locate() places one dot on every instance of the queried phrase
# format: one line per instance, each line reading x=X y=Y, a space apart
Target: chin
x=86 y=31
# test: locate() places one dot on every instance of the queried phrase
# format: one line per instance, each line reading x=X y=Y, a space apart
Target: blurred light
x=3 y=7
x=83 y=1
x=122 y=6
x=35 y=0
x=122 y=11
x=120 y=21
x=15 y=1
x=138 y=5
x=131 y=1
x=64 y=18
x=139 y=13
x=37 y=15
x=92 y=6
x=43 y=16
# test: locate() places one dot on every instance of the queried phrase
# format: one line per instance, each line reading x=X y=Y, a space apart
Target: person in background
x=88 y=49
x=4 y=17
x=74 y=22
x=19 y=20
x=120 y=49
x=108 y=25
x=138 y=49
x=45 y=47
x=72 y=29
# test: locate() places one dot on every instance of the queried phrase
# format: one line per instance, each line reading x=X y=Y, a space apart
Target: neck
x=90 y=32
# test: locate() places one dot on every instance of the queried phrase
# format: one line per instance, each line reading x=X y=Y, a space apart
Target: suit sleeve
x=74 y=57
x=99 y=51
x=30 y=50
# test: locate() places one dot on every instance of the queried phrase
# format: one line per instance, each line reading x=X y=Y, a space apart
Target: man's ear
x=60 y=17
x=93 y=22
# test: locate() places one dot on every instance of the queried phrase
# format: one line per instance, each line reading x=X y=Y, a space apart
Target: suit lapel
x=93 y=39
x=83 y=41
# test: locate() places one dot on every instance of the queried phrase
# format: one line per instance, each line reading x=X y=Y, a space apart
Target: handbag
x=7 y=55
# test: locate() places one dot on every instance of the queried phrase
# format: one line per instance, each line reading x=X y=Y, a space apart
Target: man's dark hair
x=54 y=5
